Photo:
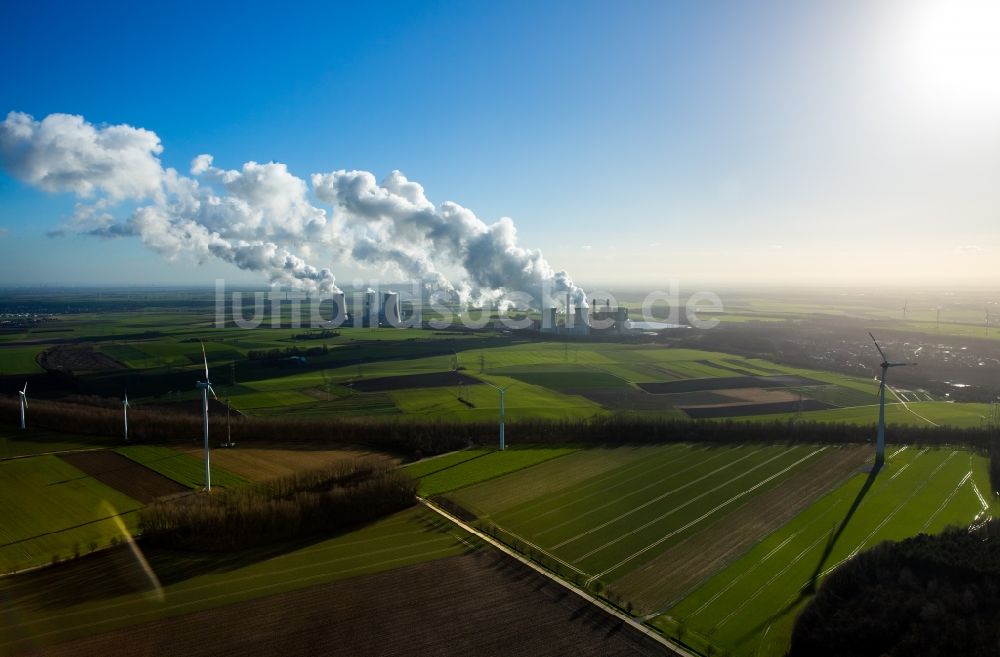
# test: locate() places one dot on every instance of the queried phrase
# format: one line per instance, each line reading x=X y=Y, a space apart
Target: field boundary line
x=66 y=529
x=907 y=407
x=948 y=499
x=56 y=453
x=635 y=509
x=760 y=589
x=902 y=504
x=618 y=499
x=640 y=627
x=541 y=549
x=701 y=517
x=597 y=483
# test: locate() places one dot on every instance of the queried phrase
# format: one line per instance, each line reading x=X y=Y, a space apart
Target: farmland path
x=636 y=625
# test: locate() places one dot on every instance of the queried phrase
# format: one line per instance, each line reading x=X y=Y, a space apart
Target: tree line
x=338 y=497
x=418 y=437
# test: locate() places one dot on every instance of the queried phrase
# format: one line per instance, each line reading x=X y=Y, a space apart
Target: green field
x=468 y=467
x=915 y=413
x=182 y=468
x=51 y=510
x=548 y=379
x=19 y=360
x=409 y=537
x=607 y=526
x=749 y=607
x=628 y=522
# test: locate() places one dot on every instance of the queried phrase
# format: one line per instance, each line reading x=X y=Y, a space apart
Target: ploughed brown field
x=673 y=574
x=123 y=474
x=77 y=358
x=481 y=603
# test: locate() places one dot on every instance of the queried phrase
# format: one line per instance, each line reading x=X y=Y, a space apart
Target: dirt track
x=477 y=604
x=137 y=481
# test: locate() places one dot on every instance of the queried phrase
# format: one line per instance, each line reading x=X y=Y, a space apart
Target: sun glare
x=948 y=56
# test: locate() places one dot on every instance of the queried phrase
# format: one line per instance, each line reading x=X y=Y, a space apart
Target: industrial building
x=388 y=312
x=598 y=319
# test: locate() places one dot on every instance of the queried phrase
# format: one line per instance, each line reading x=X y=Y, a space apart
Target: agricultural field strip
x=641 y=627
x=165 y=609
x=757 y=590
x=298 y=554
x=900 y=471
x=857 y=549
x=925 y=476
x=776 y=502
x=495 y=464
x=947 y=500
x=551 y=479
x=889 y=517
x=700 y=518
x=30 y=522
x=600 y=482
x=736 y=580
x=445 y=463
x=637 y=491
x=660 y=497
x=542 y=550
x=53 y=532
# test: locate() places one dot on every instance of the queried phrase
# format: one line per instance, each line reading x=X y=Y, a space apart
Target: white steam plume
x=261 y=218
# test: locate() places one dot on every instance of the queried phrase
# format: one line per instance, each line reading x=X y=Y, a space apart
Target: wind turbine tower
x=503 y=445
x=125 y=414
x=206 y=387
x=24 y=402
x=880 y=438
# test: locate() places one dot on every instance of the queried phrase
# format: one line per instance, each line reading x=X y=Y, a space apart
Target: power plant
x=388 y=312
x=580 y=321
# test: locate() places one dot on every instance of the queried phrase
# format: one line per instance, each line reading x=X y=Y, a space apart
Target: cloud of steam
x=261 y=217
x=405 y=225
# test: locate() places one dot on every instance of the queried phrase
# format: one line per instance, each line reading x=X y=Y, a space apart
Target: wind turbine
x=125 y=414
x=880 y=439
x=906 y=302
x=503 y=445
x=24 y=402
x=206 y=387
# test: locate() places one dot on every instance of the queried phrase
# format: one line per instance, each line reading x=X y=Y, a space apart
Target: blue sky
x=637 y=141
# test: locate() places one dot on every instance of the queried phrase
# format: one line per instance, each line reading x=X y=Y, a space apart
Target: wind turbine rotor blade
x=204 y=358
x=882 y=353
x=25 y=390
x=213 y=393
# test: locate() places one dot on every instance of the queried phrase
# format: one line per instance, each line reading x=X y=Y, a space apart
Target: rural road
x=636 y=625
